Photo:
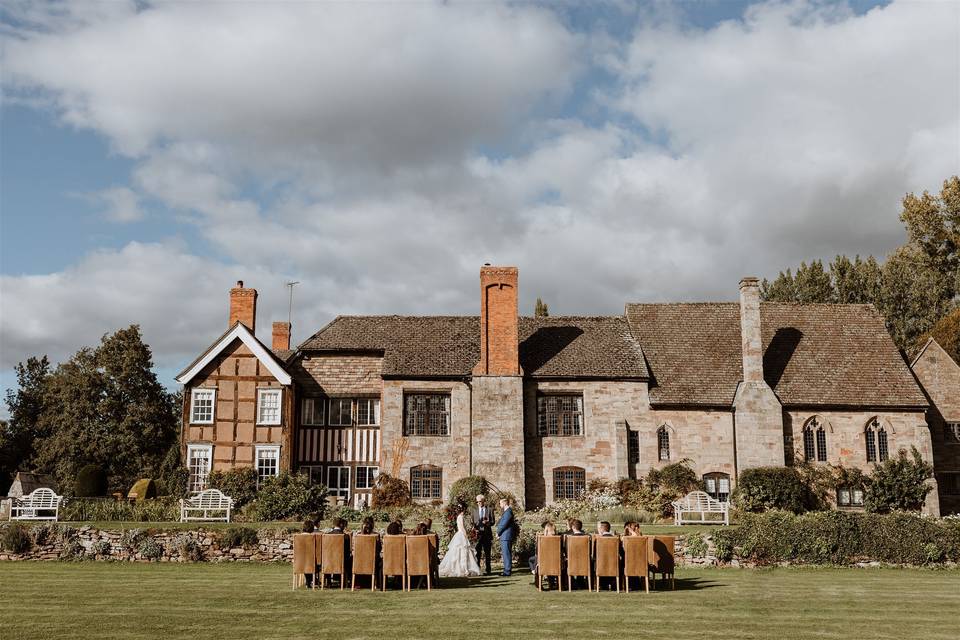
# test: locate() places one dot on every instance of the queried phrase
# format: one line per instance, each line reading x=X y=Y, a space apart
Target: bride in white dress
x=460 y=560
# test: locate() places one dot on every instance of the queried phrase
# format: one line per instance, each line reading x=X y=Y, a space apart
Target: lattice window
x=663 y=444
x=338 y=482
x=198 y=466
x=569 y=483
x=560 y=415
x=849 y=497
x=368 y=411
x=878 y=448
x=717 y=485
x=814 y=441
x=268 y=463
x=427 y=414
x=367 y=477
x=633 y=446
x=268 y=406
x=201 y=406
x=312 y=412
x=426 y=482
x=341 y=412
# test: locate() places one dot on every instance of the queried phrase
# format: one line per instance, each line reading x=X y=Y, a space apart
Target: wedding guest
x=421 y=529
x=632 y=529
x=428 y=525
x=549 y=529
x=576 y=529
x=308 y=578
x=507 y=531
x=340 y=526
x=603 y=528
x=394 y=528
x=367 y=527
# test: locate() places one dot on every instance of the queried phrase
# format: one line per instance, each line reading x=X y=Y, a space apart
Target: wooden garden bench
x=698 y=502
x=199 y=507
x=31 y=506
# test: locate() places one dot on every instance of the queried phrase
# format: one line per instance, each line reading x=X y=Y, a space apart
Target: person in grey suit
x=483 y=518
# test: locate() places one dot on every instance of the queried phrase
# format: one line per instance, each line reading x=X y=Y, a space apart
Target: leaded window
x=878 y=448
x=850 y=497
x=633 y=446
x=569 y=483
x=717 y=485
x=368 y=411
x=312 y=412
x=427 y=414
x=341 y=412
x=814 y=441
x=560 y=415
x=367 y=477
x=663 y=444
x=426 y=482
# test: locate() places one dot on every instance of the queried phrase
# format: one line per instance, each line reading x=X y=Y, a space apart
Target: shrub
x=677 y=478
x=289 y=497
x=173 y=474
x=16 y=539
x=91 y=482
x=766 y=488
x=100 y=548
x=390 y=491
x=467 y=489
x=163 y=509
x=44 y=533
x=601 y=496
x=240 y=483
x=131 y=538
x=696 y=545
x=233 y=537
x=143 y=489
x=72 y=550
x=186 y=548
x=150 y=549
x=347 y=513
x=899 y=484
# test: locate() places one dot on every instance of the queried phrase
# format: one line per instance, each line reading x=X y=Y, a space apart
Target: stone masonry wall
x=498 y=437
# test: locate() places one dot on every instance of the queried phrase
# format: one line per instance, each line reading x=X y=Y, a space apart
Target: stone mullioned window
x=560 y=414
x=426 y=414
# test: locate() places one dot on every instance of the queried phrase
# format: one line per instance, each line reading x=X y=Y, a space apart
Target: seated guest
x=631 y=529
x=340 y=526
x=367 y=527
x=394 y=528
x=549 y=529
x=421 y=530
x=576 y=529
x=603 y=528
x=308 y=528
x=428 y=525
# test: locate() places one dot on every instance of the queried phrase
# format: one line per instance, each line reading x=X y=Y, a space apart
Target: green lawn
x=231 y=601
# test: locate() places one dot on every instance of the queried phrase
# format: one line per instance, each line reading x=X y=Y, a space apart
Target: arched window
x=663 y=443
x=717 y=485
x=814 y=441
x=426 y=482
x=878 y=448
x=569 y=483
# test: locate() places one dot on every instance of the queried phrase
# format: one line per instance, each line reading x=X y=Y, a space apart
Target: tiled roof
x=817 y=354
x=449 y=346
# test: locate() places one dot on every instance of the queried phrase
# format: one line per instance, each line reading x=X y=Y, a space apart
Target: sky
x=379 y=153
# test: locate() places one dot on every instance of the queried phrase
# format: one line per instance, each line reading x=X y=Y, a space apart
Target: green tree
x=812 y=283
x=105 y=406
x=541 y=309
x=782 y=289
x=899 y=484
x=857 y=281
x=933 y=224
x=947 y=334
x=913 y=296
x=25 y=405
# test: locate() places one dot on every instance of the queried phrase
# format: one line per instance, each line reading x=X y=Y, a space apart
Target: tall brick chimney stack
x=499 y=325
x=281 y=336
x=750 y=336
x=243 y=306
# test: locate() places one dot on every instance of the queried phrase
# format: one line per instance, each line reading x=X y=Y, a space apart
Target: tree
x=947 y=334
x=105 y=406
x=541 y=310
x=857 y=281
x=25 y=405
x=933 y=224
x=812 y=283
x=899 y=484
x=782 y=289
x=913 y=296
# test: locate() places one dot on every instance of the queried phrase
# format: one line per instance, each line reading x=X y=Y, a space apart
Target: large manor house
x=542 y=405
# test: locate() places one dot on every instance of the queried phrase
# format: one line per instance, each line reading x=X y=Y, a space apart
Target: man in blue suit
x=507 y=530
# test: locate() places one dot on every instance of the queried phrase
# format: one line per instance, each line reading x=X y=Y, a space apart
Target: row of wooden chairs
x=599 y=557
x=403 y=556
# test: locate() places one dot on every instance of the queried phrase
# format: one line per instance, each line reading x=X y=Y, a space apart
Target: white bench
x=199 y=507
x=698 y=502
x=34 y=505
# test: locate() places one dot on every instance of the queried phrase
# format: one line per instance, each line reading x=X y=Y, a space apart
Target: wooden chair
x=418 y=559
x=578 y=559
x=635 y=563
x=548 y=560
x=394 y=559
x=606 y=553
x=333 y=561
x=365 y=559
x=660 y=557
x=304 y=558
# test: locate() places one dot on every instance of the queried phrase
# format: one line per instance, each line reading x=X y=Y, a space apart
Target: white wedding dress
x=460 y=560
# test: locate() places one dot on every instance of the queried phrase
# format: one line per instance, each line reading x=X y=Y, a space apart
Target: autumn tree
x=541 y=310
x=947 y=334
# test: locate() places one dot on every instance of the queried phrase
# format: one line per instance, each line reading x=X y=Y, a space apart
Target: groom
x=507 y=530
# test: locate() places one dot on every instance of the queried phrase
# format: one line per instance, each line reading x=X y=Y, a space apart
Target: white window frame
x=339 y=491
x=201 y=485
x=193 y=404
x=260 y=395
x=370 y=402
x=309 y=408
x=372 y=478
x=330 y=421
x=262 y=449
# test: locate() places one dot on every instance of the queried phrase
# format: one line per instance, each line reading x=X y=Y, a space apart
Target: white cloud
x=120 y=204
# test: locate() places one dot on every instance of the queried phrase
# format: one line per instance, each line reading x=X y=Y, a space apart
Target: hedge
x=839 y=538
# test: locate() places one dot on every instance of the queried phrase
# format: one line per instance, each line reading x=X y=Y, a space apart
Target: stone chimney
x=499 y=325
x=751 y=339
x=281 y=336
x=243 y=306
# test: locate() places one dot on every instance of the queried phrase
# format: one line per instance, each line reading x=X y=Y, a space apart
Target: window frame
x=850 y=502
x=633 y=446
x=371 y=473
x=814 y=441
x=314 y=403
x=266 y=448
x=410 y=428
x=193 y=404
x=717 y=477
x=192 y=487
x=340 y=491
x=373 y=403
x=876 y=441
x=269 y=391
x=663 y=435
x=573 y=487
x=339 y=401
x=560 y=427
x=418 y=484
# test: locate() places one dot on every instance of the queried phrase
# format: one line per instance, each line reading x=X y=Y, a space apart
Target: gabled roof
x=240 y=332
x=449 y=346
x=939 y=375
x=814 y=354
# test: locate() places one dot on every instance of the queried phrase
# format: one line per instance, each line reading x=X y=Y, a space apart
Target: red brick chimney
x=281 y=336
x=243 y=306
x=499 y=331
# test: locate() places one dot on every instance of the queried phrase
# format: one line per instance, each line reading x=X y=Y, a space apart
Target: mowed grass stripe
x=212 y=601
